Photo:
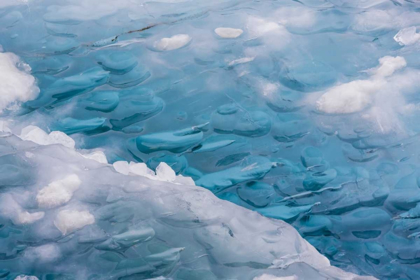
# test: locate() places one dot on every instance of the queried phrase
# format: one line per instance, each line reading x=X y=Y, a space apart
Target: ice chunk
x=58 y=137
x=121 y=167
x=34 y=134
x=141 y=169
x=98 y=156
x=58 y=192
x=172 y=43
x=407 y=36
x=68 y=221
x=182 y=180
x=178 y=163
x=17 y=85
x=229 y=33
x=37 y=135
x=165 y=173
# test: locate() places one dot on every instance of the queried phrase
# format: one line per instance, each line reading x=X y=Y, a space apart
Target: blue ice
x=300 y=112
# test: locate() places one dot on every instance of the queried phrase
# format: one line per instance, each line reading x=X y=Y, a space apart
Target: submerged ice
x=128 y=128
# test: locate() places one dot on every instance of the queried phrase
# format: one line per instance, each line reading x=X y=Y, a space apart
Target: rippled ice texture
x=67 y=217
x=303 y=111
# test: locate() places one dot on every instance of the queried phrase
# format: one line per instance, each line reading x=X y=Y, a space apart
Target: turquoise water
x=309 y=115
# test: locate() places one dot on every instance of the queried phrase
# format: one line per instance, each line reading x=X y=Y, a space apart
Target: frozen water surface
x=129 y=129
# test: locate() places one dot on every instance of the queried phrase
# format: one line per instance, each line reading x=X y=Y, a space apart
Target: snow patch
x=17 y=85
x=58 y=192
x=228 y=33
x=357 y=95
x=172 y=43
x=68 y=221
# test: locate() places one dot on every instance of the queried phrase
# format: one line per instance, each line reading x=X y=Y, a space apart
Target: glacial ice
x=152 y=228
x=168 y=111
